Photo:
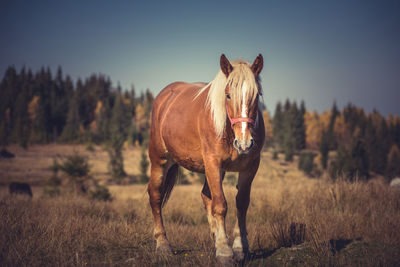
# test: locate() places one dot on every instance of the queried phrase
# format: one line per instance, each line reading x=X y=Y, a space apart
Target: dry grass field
x=346 y=224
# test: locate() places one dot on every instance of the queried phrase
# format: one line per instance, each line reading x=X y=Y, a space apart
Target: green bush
x=51 y=191
x=89 y=146
x=231 y=179
x=182 y=178
x=101 y=192
x=52 y=188
x=144 y=165
x=306 y=162
x=351 y=163
x=76 y=167
x=201 y=177
x=275 y=155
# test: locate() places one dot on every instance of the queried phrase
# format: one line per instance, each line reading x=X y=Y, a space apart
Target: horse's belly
x=191 y=164
x=190 y=159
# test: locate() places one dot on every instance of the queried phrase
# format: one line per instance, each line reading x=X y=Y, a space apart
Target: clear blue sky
x=318 y=51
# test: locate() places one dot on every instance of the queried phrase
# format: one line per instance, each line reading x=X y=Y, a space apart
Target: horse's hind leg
x=241 y=244
x=156 y=190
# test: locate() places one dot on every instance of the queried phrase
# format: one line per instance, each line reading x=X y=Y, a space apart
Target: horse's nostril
x=251 y=143
x=235 y=143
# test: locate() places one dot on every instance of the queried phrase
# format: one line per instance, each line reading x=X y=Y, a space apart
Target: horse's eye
x=228 y=96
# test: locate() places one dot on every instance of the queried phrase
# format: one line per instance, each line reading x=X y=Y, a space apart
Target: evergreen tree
x=328 y=140
x=300 y=129
x=324 y=150
x=330 y=134
x=9 y=91
x=360 y=166
x=393 y=166
x=85 y=107
x=277 y=122
x=306 y=162
x=395 y=131
x=352 y=163
x=148 y=103
x=77 y=169
x=132 y=98
x=4 y=128
x=104 y=122
x=71 y=129
x=37 y=117
x=144 y=165
x=59 y=104
x=289 y=129
x=377 y=142
x=119 y=126
x=21 y=120
x=288 y=146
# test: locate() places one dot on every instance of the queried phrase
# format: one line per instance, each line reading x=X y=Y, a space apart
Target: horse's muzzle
x=243 y=146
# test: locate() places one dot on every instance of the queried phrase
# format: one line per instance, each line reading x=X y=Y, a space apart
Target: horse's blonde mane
x=216 y=95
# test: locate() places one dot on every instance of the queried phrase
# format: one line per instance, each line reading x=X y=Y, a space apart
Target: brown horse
x=209 y=128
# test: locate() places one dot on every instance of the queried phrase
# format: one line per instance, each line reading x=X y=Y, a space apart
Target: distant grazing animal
x=20 y=188
x=6 y=154
x=209 y=128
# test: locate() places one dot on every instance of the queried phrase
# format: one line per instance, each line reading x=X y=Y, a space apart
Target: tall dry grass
x=346 y=224
x=362 y=217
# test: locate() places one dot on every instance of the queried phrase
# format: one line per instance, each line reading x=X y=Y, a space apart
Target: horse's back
x=177 y=88
x=170 y=94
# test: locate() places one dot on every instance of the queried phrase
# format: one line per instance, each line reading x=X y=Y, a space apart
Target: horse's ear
x=226 y=66
x=257 y=65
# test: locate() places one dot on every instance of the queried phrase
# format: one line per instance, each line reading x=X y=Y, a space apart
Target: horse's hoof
x=164 y=250
x=238 y=254
x=226 y=261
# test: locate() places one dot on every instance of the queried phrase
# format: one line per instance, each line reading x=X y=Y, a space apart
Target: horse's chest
x=237 y=163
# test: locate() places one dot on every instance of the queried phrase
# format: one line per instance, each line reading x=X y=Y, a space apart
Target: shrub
x=76 y=167
x=393 y=162
x=351 y=163
x=287 y=235
x=144 y=165
x=288 y=149
x=182 y=177
x=306 y=162
x=201 y=177
x=231 y=179
x=275 y=155
x=101 y=192
x=52 y=187
x=89 y=146
x=324 y=150
x=116 y=164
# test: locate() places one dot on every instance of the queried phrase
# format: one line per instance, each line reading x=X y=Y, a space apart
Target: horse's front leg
x=219 y=209
x=240 y=243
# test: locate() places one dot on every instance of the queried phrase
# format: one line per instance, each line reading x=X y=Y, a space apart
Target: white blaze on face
x=244 y=108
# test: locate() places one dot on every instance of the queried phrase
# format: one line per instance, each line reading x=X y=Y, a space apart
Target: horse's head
x=242 y=94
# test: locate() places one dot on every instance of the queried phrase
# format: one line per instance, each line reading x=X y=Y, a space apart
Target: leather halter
x=237 y=120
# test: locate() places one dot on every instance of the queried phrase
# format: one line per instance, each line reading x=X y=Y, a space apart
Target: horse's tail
x=168 y=183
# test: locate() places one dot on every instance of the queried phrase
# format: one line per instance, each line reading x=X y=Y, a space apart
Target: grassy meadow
x=343 y=224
